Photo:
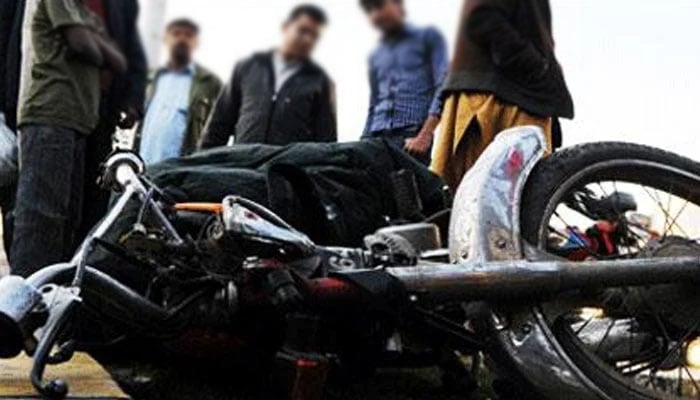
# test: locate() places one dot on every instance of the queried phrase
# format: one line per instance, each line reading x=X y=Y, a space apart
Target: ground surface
x=87 y=379
x=421 y=384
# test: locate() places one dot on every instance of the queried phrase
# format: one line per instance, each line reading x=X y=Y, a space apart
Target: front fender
x=485 y=227
x=485 y=224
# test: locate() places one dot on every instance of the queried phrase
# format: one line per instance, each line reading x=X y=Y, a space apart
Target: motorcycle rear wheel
x=553 y=181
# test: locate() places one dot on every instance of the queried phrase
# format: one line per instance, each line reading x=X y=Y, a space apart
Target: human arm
x=8 y=12
x=224 y=117
x=489 y=26
x=83 y=45
x=437 y=50
x=326 y=127
x=83 y=41
x=373 y=90
x=113 y=58
x=423 y=141
x=137 y=72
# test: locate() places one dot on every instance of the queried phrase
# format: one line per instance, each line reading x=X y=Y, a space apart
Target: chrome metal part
x=422 y=236
x=533 y=280
x=485 y=227
x=485 y=224
x=17 y=305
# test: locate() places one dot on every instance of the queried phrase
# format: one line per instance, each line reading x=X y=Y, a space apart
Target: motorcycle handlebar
x=122 y=169
x=129 y=302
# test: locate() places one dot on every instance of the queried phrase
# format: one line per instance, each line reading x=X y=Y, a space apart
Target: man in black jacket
x=278 y=97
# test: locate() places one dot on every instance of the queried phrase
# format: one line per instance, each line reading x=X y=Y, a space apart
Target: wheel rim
x=649 y=374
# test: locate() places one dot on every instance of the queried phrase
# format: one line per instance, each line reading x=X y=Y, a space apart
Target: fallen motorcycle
x=612 y=315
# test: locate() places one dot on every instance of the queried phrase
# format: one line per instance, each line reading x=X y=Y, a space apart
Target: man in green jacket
x=179 y=99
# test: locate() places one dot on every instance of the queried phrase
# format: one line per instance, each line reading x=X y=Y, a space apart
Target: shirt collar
x=283 y=64
x=407 y=29
x=190 y=69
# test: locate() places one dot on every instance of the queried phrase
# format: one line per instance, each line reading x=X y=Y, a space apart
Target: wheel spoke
x=692 y=379
x=583 y=326
x=640 y=338
x=667 y=215
x=605 y=336
x=683 y=208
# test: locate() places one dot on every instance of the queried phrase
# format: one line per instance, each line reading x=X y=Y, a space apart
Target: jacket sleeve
x=224 y=117
x=137 y=72
x=326 y=128
x=8 y=8
x=489 y=25
x=373 y=89
x=439 y=64
x=217 y=87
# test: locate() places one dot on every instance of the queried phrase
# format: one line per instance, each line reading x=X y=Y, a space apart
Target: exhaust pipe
x=521 y=279
x=18 y=303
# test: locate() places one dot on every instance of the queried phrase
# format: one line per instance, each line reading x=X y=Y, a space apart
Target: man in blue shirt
x=406 y=73
x=180 y=98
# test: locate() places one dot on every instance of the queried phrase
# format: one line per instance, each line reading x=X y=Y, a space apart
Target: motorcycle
x=611 y=315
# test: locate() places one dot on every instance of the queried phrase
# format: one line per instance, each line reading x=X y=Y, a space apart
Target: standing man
x=11 y=18
x=16 y=51
x=121 y=100
x=406 y=74
x=504 y=74
x=280 y=96
x=60 y=110
x=180 y=98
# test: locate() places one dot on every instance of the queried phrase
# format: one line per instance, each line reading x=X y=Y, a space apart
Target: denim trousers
x=49 y=197
x=398 y=137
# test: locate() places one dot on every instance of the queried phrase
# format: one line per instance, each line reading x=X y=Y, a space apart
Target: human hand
x=129 y=118
x=419 y=145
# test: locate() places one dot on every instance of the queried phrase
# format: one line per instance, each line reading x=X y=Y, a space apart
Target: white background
x=632 y=65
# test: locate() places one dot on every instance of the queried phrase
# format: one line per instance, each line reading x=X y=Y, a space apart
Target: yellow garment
x=470 y=122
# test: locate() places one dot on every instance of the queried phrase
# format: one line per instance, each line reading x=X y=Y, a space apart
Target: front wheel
x=621 y=201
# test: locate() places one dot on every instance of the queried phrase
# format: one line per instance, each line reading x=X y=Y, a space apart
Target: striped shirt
x=406 y=71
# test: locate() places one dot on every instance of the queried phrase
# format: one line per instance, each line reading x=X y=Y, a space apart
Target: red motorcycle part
x=304 y=375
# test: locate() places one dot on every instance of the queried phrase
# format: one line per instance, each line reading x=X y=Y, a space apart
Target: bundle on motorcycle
x=164 y=265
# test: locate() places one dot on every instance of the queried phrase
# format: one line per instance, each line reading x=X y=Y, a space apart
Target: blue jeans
x=398 y=137
x=49 y=197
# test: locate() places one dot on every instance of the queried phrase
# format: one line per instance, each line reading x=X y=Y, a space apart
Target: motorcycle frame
x=488 y=263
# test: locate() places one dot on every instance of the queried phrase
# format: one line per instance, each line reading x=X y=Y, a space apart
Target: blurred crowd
x=72 y=72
